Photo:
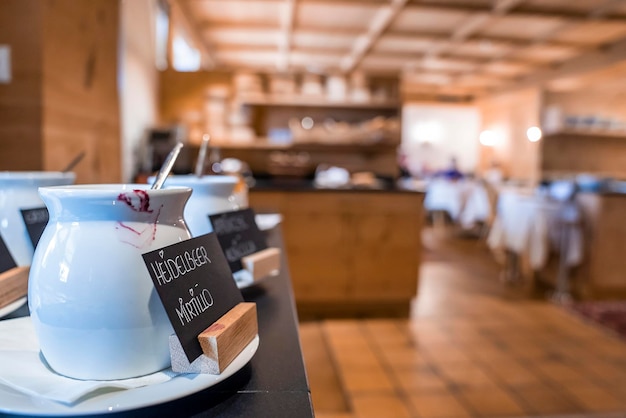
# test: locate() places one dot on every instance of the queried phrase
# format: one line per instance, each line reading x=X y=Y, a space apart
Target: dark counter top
x=308 y=185
x=273 y=384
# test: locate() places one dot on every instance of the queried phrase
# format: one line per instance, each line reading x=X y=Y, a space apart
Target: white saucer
x=12 y=307
x=12 y=401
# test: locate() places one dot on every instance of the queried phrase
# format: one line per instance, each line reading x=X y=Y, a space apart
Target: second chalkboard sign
x=36 y=220
x=238 y=235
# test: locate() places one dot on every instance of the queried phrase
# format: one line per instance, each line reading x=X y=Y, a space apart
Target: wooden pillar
x=65 y=87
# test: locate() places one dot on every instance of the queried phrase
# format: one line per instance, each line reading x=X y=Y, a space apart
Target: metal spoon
x=167 y=167
x=74 y=162
x=202 y=155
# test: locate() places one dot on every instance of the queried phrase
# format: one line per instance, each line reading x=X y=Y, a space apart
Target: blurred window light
x=427 y=132
x=185 y=57
x=487 y=138
x=161 y=34
x=533 y=133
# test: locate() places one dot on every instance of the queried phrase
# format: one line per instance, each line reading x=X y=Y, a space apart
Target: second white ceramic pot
x=19 y=190
x=211 y=194
x=94 y=307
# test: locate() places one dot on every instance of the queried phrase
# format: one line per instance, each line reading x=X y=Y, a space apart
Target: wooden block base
x=230 y=334
x=221 y=342
x=263 y=263
x=13 y=285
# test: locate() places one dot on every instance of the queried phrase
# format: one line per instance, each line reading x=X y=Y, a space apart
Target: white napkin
x=22 y=369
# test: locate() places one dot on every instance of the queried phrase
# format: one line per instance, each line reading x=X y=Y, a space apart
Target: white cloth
x=466 y=201
x=22 y=369
x=531 y=225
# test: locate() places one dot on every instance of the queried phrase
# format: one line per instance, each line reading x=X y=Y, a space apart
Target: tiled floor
x=472 y=348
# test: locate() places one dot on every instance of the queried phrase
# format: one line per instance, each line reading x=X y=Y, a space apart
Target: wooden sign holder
x=221 y=342
x=13 y=285
x=228 y=336
x=263 y=263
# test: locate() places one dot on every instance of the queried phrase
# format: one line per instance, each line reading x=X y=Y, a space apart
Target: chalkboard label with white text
x=36 y=220
x=238 y=234
x=6 y=260
x=196 y=287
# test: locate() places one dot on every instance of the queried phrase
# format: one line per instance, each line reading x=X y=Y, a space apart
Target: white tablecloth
x=531 y=225
x=466 y=201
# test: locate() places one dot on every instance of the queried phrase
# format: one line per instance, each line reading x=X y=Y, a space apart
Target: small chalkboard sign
x=238 y=235
x=36 y=220
x=195 y=285
x=6 y=259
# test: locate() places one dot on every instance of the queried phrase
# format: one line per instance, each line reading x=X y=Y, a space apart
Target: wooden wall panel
x=80 y=100
x=183 y=93
x=509 y=115
x=63 y=96
x=566 y=154
x=20 y=100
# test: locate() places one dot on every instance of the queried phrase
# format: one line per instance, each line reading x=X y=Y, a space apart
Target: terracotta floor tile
x=403 y=358
x=438 y=405
x=513 y=373
x=365 y=380
x=446 y=354
x=491 y=402
x=356 y=359
x=379 y=405
x=419 y=381
x=327 y=392
x=545 y=400
x=596 y=398
x=333 y=415
x=560 y=372
x=466 y=375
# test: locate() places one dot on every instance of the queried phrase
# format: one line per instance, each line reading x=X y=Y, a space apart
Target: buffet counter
x=352 y=251
x=272 y=384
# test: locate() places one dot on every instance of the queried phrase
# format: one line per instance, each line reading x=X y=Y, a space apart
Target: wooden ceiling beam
x=284 y=47
x=363 y=43
x=516 y=10
x=509 y=41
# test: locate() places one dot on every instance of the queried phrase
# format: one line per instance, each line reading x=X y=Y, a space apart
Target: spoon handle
x=202 y=155
x=74 y=162
x=167 y=167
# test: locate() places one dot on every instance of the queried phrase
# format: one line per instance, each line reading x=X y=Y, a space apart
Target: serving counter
x=272 y=384
x=352 y=251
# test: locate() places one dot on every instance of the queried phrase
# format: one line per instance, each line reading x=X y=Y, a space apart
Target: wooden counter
x=351 y=252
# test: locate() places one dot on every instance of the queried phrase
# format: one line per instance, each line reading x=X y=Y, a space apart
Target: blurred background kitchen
x=488 y=138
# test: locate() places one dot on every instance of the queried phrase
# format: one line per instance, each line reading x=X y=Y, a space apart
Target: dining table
x=466 y=201
x=272 y=384
x=530 y=225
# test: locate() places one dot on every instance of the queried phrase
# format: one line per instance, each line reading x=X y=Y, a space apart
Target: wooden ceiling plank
x=597 y=13
x=588 y=62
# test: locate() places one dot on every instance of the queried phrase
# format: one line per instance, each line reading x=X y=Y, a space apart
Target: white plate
x=12 y=307
x=267 y=221
x=12 y=401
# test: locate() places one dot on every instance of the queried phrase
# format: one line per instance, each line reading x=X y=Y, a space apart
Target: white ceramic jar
x=211 y=194
x=94 y=307
x=18 y=190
